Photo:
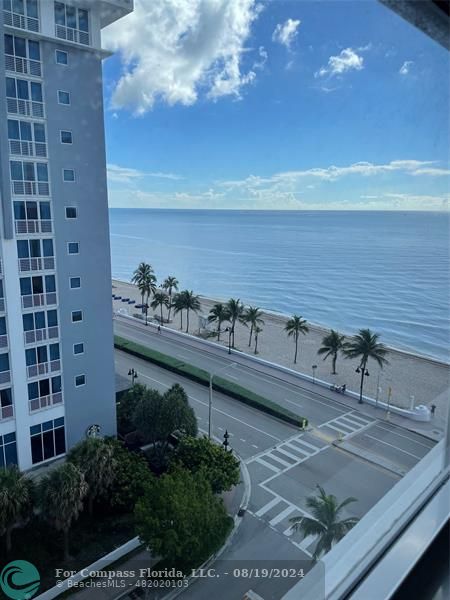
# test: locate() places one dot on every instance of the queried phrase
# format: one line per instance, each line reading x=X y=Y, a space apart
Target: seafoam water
x=385 y=270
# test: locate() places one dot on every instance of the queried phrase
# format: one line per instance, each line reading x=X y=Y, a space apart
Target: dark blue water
x=385 y=270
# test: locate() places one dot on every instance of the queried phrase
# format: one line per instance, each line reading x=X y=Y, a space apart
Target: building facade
x=56 y=340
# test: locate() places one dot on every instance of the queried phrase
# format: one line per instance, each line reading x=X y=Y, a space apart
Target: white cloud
x=347 y=60
x=285 y=33
x=263 y=56
x=119 y=174
x=173 y=50
x=405 y=68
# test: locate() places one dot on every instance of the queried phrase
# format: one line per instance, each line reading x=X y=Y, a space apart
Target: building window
x=78 y=349
x=71 y=212
x=66 y=137
x=75 y=283
x=47 y=440
x=22 y=14
x=63 y=97
x=80 y=380
x=73 y=248
x=6 y=404
x=27 y=139
x=61 y=57
x=68 y=175
x=24 y=97
x=29 y=178
x=8 y=449
x=77 y=316
x=71 y=23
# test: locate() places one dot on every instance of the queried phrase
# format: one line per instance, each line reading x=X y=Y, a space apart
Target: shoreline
x=317 y=327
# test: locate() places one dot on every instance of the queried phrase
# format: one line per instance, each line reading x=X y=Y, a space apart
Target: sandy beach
x=413 y=379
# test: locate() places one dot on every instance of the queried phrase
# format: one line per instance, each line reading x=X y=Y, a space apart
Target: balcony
x=26 y=108
x=45 y=401
x=30 y=188
x=25 y=66
x=27 y=226
x=43 y=368
x=72 y=35
x=46 y=263
x=6 y=412
x=5 y=377
x=14 y=19
x=3 y=341
x=40 y=335
x=2 y=305
x=35 y=300
x=25 y=148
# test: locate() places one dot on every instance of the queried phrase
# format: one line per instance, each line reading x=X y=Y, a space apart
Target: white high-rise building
x=56 y=340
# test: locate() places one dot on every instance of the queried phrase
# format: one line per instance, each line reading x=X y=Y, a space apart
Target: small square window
x=68 y=175
x=61 y=57
x=77 y=316
x=66 y=137
x=71 y=212
x=63 y=97
x=80 y=380
x=73 y=248
x=78 y=348
x=75 y=282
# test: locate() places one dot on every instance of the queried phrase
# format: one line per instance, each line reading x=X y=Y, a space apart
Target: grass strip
x=201 y=376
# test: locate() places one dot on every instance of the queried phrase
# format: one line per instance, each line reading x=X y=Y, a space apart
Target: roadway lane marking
x=339 y=430
x=289 y=454
x=218 y=410
x=392 y=446
x=306 y=542
x=277 y=459
x=242 y=440
x=356 y=417
x=302 y=452
x=268 y=506
x=350 y=422
x=254 y=446
x=283 y=514
x=266 y=464
x=412 y=440
x=307 y=444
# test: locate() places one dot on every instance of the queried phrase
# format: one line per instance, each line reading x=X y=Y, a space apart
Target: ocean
x=388 y=271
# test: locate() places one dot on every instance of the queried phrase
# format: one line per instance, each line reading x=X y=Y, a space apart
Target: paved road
x=285 y=466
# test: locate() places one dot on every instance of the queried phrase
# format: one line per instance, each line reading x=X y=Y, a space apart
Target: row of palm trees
x=362 y=346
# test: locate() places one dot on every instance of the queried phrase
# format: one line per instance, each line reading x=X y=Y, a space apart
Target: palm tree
x=257 y=332
x=141 y=276
x=332 y=344
x=190 y=302
x=252 y=316
x=326 y=522
x=62 y=492
x=160 y=299
x=235 y=313
x=365 y=345
x=96 y=460
x=219 y=313
x=294 y=327
x=178 y=305
x=16 y=491
x=170 y=284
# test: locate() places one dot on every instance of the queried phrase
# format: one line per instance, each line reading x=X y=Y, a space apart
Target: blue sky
x=275 y=105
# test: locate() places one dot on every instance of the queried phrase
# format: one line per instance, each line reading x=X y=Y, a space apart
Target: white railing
x=26 y=226
x=3 y=341
x=73 y=35
x=46 y=263
x=6 y=412
x=32 y=300
x=20 y=21
x=2 y=305
x=26 y=108
x=40 y=335
x=5 y=376
x=25 y=66
x=45 y=401
x=43 y=368
x=30 y=188
x=26 y=148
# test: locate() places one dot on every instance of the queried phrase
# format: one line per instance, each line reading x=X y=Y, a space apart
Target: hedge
x=201 y=376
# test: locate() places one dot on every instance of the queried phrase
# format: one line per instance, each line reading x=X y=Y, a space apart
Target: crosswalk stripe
x=267 y=507
x=283 y=514
x=344 y=431
x=289 y=531
x=268 y=465
x=306 y=542
x=363 y=420
x=351 y=426
x=307 y=444
x=297 y=449
x=351 y=422
x=293 y=456
x=280 y=460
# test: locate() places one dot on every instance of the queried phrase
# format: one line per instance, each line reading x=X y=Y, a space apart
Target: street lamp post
x=133 y=374
x=314 y=367
x=229 y=330
x=211 y=377
x=364 y=373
